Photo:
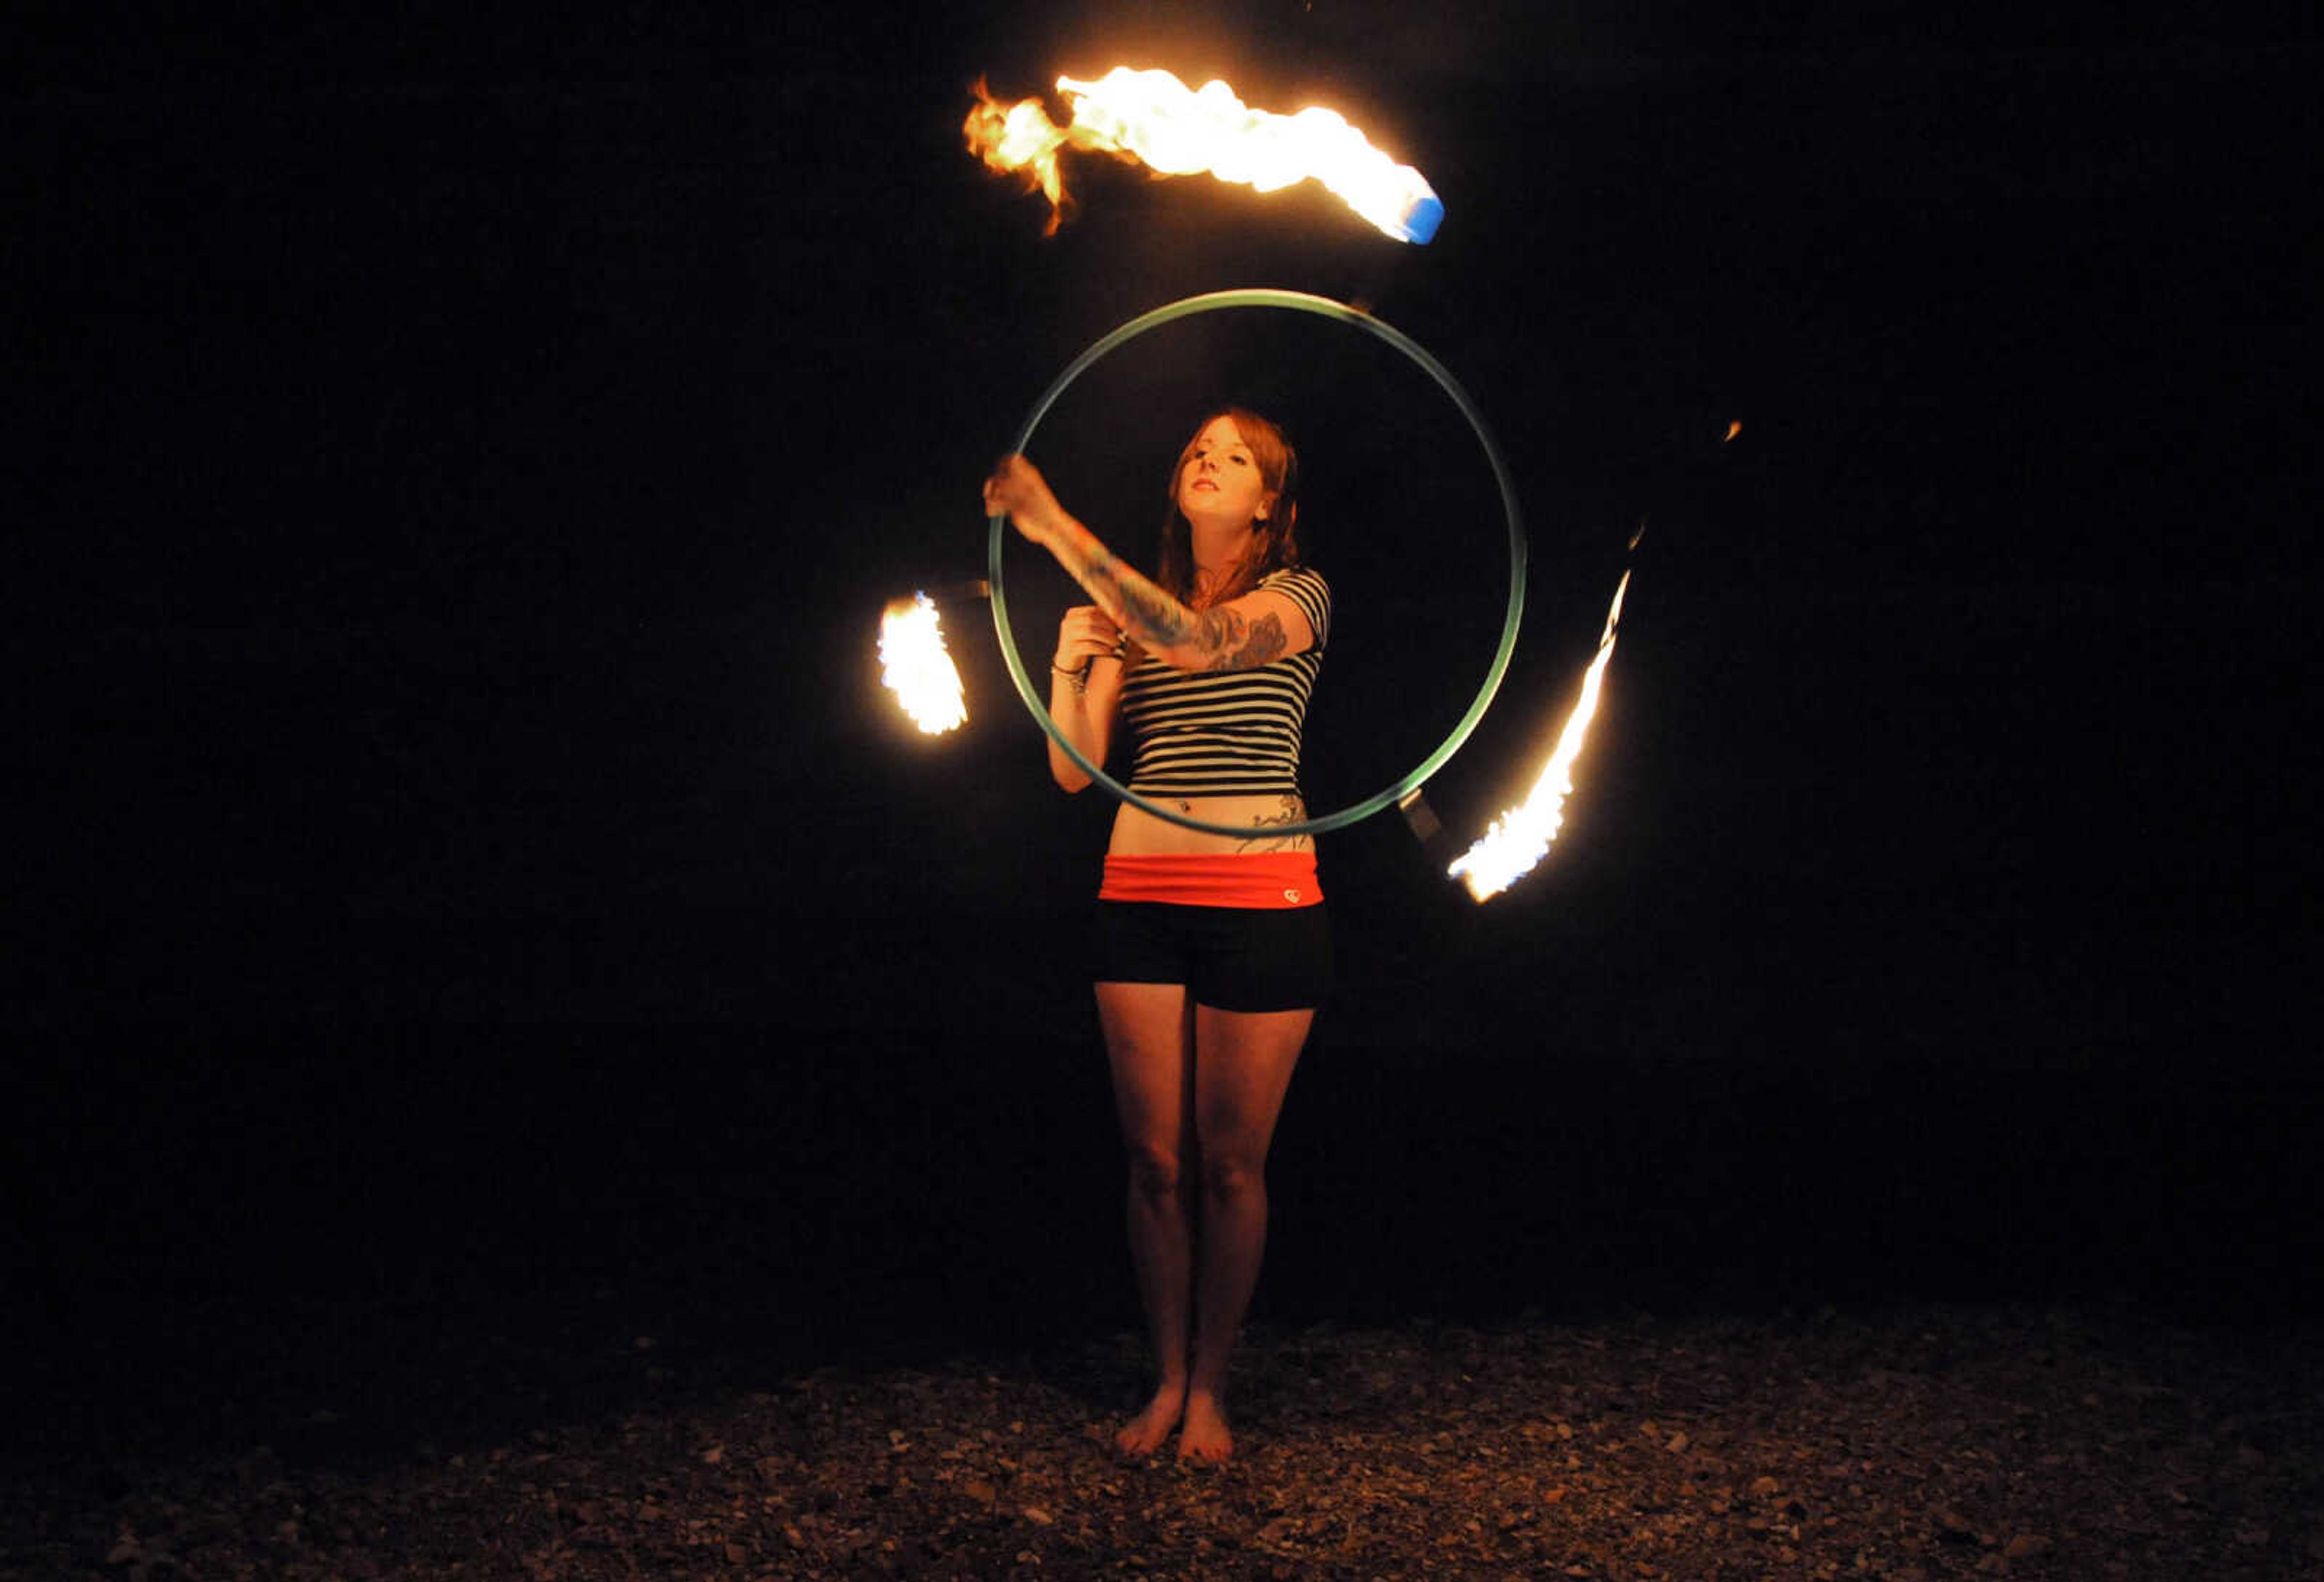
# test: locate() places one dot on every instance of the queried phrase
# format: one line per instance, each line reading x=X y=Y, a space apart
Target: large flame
x=915 y=667
x=1178 y=131
x=1521 y=837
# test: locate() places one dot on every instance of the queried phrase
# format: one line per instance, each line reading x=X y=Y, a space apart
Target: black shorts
x=1230 y=958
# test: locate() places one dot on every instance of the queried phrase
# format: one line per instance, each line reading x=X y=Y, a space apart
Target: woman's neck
x=1218 y=561
x=1211 y=583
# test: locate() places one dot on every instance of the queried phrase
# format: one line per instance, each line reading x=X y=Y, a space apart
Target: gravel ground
x=1914 y=1442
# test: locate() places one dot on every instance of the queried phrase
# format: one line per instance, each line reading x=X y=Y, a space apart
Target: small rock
x=2026 y=1546
x=982 y=1492
x=1678 y=1442
x=1038 y=1517
x=1762 y=1486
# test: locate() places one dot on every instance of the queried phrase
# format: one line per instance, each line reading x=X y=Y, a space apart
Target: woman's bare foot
x=1143 y=1435
x=1204 y=1436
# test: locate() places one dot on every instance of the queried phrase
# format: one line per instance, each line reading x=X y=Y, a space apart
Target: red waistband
x=1260 y=879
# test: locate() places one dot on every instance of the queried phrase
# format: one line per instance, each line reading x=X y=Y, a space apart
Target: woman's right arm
x=1261 y=627
x=1084 y=691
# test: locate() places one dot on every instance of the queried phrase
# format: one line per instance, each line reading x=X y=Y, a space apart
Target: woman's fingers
x=1085 y=633
x=1094 y=621
x=1018 y=489
x=1015 y=486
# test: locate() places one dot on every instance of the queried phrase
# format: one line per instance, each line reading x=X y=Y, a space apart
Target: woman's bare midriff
x=1138 y=834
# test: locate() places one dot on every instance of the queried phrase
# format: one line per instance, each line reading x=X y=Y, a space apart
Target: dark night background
x=472 y=899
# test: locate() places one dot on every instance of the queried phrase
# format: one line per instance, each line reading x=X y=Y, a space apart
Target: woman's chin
x=1206 y=512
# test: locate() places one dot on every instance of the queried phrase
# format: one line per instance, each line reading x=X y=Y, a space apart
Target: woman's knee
x=1154 y=1173
x=1229 y=1174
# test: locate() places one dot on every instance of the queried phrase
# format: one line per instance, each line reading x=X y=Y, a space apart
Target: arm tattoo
x=1249 y=644
x=1153 y=615
x=1137 y=606
x=1224 y=638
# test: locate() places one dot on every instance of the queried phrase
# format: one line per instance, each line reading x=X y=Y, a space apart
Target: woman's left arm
x=1257 y=628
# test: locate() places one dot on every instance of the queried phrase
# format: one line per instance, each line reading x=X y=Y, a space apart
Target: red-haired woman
x=1213 y=950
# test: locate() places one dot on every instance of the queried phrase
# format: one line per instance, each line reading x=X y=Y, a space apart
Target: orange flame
x=1521 y=837
x=914 y=665
x=1020 y=139
x=1153 y=117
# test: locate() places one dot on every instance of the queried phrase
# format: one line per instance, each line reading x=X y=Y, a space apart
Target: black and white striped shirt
x=1228 y=732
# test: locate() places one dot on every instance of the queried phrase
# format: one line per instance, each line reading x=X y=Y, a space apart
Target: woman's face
x=1219 y=478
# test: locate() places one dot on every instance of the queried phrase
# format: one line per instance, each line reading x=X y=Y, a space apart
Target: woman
x=1213 y=949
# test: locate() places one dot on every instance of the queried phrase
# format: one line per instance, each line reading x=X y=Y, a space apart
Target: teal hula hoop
x=1322 y=308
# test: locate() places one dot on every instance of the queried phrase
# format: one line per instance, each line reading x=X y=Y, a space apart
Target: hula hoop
x=1324 y=307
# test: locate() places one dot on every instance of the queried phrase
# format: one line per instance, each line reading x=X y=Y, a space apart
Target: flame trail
x=1521 y=836
x=1153 y=117
x=915 y=667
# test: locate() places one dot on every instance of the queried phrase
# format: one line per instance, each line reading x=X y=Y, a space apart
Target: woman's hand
x=1017 y=489
x=1086 y=633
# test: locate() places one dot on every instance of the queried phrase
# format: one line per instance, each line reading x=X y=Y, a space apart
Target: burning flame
x=1521 y=836
x=915 y=667
x=1178 y=131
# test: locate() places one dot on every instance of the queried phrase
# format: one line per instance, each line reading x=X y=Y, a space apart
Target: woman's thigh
x=1243 y=1064
x=1149 y=1039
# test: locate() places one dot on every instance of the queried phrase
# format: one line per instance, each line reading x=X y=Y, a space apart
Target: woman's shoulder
x=1304 y=586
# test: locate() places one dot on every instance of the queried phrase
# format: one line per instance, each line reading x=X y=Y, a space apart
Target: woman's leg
x=1243 y=1063
x=1150 y=1046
